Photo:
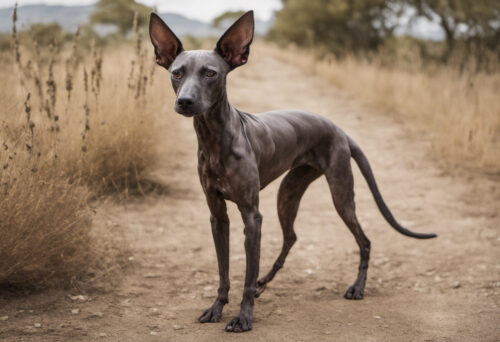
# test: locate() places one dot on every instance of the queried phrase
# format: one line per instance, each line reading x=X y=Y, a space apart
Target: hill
x=70 y=17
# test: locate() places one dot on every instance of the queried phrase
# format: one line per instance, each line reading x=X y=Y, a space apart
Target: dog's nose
x=185 y=101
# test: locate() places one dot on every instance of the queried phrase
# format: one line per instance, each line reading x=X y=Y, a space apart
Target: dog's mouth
x=187 y=112
x=187 y=115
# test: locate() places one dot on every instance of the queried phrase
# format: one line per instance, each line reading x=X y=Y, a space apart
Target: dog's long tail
x=366 y=170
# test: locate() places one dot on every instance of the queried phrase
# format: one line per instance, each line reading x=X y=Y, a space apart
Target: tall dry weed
x=73 y=126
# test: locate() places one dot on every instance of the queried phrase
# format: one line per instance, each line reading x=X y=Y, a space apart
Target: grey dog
x=240 y=153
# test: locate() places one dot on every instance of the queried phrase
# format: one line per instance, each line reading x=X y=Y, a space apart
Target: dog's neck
x=219 y=121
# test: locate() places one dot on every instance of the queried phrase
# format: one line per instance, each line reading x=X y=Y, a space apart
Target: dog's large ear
x=167 y=45
x=234 y=45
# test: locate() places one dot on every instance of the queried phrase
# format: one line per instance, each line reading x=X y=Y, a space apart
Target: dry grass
x=461 y=111
x=75 y=125
x=45 y=232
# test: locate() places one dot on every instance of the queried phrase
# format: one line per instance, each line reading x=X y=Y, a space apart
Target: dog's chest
x=215 y=173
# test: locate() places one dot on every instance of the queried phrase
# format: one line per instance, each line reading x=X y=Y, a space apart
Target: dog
x=240 y=153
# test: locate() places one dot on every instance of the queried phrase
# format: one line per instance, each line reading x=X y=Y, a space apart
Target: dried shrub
x=45 y=225
x=74 y=127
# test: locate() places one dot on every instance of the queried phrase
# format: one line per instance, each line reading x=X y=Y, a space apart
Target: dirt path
x=446 y=289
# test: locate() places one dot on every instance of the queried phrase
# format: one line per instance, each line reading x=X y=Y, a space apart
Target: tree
x=120 y=13
x=46 y=34
x=337 y=25
x=473 y=25
x=226 y=16
x=473 y=21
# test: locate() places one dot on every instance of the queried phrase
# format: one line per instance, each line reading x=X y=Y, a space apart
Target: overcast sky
x=204 y=10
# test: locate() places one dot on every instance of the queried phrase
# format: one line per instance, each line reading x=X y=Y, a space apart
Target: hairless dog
x=240 y=153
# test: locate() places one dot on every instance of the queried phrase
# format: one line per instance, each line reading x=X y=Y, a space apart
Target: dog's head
x=199 y=76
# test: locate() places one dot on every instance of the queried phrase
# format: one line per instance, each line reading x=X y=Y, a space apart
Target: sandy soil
x=446 y=289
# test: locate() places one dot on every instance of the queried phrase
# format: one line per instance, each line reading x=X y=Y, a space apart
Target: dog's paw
x=354 y=292
x=212 y=314
x=240 y=323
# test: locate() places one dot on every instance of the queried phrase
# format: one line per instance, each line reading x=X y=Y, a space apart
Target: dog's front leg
x=220 y=233
x=253 y=222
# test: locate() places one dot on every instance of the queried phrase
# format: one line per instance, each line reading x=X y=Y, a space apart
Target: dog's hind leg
x=291 y=190
x=340 y=180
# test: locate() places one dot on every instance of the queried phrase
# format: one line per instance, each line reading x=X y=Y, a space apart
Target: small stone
x=153 y=333
x=97 y=314
x=437 y=279
x=131 y=258
x=456 y=285
x=309 y=271
x=377 y=317
x=322 y=288
x=75 y=311
x=103 y=335
x=208 y=288
x=37 y=325
x=177 y=327
x=4 y=318
x=81 y=298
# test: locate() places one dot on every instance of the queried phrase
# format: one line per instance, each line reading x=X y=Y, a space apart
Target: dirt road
x=445 y=289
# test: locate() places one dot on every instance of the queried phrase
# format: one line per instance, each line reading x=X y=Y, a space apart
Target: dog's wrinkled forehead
x=198 y=59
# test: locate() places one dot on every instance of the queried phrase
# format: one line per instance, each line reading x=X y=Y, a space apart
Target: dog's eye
x=177 y=74
x=210 y=73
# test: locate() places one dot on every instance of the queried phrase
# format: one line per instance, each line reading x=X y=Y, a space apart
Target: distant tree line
x=471 y=27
